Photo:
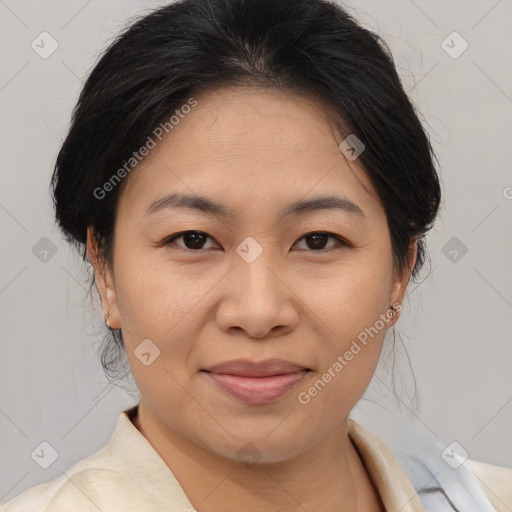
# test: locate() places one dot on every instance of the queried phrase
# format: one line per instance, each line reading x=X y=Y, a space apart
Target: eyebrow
x=211 y=207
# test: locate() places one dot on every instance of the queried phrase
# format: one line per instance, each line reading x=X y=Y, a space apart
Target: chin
x=258 y=445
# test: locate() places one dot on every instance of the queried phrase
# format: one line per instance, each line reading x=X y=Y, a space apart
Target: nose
x=258 y=300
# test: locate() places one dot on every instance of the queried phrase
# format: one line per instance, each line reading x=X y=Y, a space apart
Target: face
x=255 y=279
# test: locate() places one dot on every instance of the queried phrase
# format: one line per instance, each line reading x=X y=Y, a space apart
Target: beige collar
x=393 y=485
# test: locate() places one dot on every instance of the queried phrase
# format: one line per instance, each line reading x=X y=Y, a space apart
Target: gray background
x=456 y=325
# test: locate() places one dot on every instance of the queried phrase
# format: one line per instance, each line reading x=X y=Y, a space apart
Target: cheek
x=154 y=296
x=347 y=361
x=351 y=298
x=352 y=306
x=165 y=305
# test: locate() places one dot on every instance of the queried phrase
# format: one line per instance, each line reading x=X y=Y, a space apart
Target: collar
x=396 y=491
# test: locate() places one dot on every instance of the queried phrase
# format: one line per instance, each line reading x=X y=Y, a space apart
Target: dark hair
x=302 y=46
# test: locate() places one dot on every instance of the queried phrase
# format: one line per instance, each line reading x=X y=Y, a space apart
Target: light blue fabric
x=440 y=487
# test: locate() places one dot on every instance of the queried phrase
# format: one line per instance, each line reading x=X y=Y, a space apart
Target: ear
x=104 y=280
x=401 y=281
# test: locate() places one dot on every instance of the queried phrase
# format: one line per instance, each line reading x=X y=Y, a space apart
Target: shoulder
x=126 y=475
x=442 y=479
x=496 y=482
x=78 y=488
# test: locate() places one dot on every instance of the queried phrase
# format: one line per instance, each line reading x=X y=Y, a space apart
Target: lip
x=257 y=382
x=247 y=368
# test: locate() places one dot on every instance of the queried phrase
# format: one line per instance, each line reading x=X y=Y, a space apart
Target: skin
x=255 y=151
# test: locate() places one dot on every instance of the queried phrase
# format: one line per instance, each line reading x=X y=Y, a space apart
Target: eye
x=318 y=239
x=193 y=240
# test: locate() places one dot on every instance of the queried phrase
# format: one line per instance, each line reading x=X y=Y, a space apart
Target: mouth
x=256 y=383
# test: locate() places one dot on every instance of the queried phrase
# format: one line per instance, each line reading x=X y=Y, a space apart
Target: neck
x=329 y=476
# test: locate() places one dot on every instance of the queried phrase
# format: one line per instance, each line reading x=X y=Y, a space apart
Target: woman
x=252 y=187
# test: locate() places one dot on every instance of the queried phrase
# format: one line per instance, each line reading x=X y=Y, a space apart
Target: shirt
x=128 y=475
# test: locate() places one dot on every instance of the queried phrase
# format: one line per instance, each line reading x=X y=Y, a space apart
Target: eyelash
x=341 y=241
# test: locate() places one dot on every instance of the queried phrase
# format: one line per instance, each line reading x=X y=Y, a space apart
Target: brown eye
x=317 y=241
x=192 y=240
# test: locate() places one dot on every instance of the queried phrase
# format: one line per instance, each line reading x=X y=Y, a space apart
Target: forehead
x=250 y=147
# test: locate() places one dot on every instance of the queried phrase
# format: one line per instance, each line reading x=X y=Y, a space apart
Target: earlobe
x=104 y=282
x=401 y=283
